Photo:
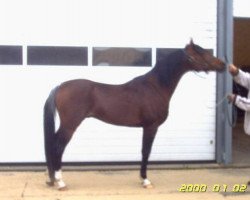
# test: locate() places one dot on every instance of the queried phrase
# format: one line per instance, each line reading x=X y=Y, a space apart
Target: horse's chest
x=156 y=112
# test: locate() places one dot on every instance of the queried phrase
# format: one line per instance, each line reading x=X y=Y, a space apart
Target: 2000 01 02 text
x=237 y=188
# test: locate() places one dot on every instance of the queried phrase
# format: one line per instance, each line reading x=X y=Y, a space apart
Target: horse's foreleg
x=62 y=138
x=147 y=141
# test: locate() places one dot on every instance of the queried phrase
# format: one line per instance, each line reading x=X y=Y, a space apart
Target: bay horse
x=141 y=102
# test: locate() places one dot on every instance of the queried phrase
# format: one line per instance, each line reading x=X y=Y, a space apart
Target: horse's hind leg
x=147 y=141
x=62 y=138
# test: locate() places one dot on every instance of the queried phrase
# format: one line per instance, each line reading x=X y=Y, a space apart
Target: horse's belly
x=119 y=116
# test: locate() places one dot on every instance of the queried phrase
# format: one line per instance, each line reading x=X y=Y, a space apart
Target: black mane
x=167 y=67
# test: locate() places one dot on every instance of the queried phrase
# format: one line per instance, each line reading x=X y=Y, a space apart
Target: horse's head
x=199 y=59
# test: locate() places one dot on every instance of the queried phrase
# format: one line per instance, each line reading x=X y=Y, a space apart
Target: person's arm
x=240 y=77
x=242 y=102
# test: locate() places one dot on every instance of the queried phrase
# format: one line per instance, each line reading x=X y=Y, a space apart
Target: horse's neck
x=169 y=79
x=175 y=79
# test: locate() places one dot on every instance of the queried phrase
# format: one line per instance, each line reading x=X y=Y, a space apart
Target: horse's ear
x=191 y=42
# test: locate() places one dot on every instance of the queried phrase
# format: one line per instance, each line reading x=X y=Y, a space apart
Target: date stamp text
x=237 y=188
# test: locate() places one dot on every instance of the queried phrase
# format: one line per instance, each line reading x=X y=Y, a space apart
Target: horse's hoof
x=50 y=183
x=65 y=188
x=147 y=184
x=61 y=186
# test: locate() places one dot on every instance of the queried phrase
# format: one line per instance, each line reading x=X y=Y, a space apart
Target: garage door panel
x=188 y=134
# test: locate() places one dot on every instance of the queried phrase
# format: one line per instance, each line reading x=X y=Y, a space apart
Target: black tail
x=49 y=131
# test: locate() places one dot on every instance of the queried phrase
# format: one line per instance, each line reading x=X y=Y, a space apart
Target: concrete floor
x=218 y=184
x=241 y=146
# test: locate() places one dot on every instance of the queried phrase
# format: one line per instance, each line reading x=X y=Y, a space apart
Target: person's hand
x=231 y=98
x=233 y=69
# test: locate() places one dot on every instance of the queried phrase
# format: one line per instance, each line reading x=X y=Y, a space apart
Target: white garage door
x=90 y=28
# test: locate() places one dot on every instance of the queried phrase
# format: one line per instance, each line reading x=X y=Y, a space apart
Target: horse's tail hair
x=49 y=131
